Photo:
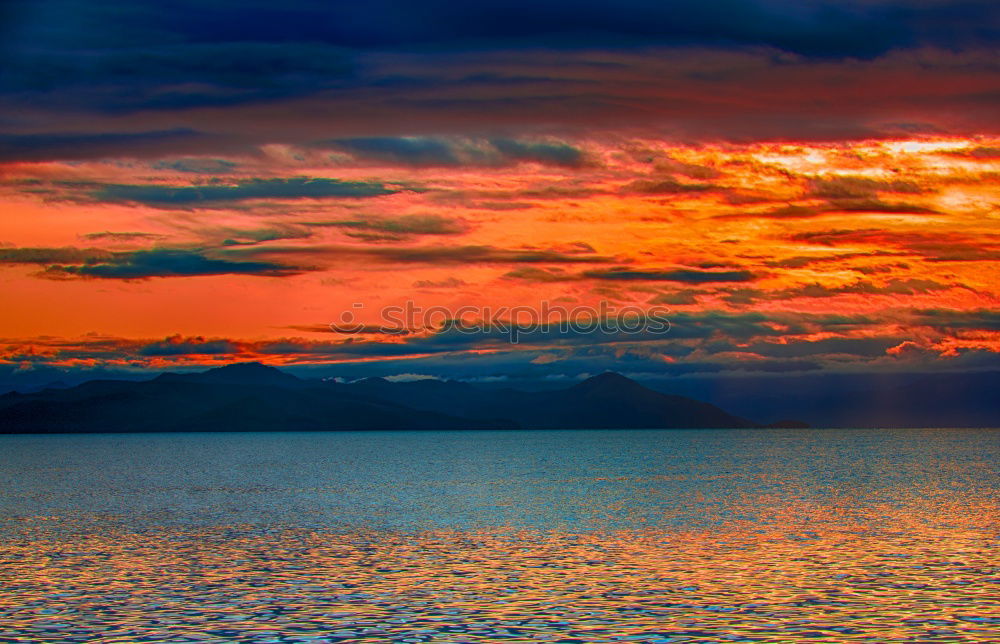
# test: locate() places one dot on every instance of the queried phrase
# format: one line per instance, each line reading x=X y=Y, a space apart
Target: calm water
x=573 y=536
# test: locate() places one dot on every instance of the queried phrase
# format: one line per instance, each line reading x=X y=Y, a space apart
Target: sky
x=794 y=187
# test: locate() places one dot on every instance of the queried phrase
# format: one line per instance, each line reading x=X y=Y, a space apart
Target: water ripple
x=246 y=585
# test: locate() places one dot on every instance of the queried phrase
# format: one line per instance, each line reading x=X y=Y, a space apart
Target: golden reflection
x=828 y=579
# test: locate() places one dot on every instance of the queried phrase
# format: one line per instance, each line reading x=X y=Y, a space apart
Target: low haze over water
x=586 y=536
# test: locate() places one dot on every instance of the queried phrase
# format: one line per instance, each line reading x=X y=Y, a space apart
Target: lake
x=526 y=536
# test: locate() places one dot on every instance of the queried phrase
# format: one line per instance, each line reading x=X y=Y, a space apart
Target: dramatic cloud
x=427 y=151
x=665 y=186
x=680 y=275
x=847 y=187
x=165 y=263
x=197 y=165
x=54 y=255
x=178 y=346
x=796 y=211
x=982 y=152
x=120 y=236
x=450 y=282
x=945 y=246
x=80 y=145
x=227 y=76
x=852 y=28
x=481 y=255
x=554 y=153
x=405 y=150
x=250 y=236
x=689 y=276
x=978 y=320
x=62 y=263
x=895 y=287
x=680 y=298
x=691 y=343
x=295 y=188
x=804 y=186
x=397 y=227
x=535 y=274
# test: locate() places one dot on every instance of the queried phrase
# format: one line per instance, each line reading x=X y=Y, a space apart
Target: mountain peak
x=372 y=380
x=609 y=380
x=238 y=373
x=255 y=372
x=245 y=368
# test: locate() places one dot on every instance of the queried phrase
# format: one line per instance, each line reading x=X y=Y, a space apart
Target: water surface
x=589 y=536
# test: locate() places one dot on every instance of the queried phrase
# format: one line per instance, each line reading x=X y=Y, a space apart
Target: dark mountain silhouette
x=249 y=397
x=606 y=401
x=55 y=384
x=241 y=373
x=255 y=397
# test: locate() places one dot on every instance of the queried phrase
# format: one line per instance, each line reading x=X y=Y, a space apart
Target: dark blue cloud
x=176 y=346
x=688 y=276
x=360 y=73
x=738 y=325
x=982 y=320
x=397 y=227
x=65 y=254
x=824 y=28
x=197 y=165
x=860 y=347
x=173 y=263
x=912 y=286
x=430 y=151
x=480 y=255
x=116 y=236
x=410 y=150
x=80 y=145
x=297 y=188
x=680 y=275
x=848 y=187
x=66 y=263
x=673 y=334
x=554 y=153
x=666 y=186
x=167 y=73
x=251 y=236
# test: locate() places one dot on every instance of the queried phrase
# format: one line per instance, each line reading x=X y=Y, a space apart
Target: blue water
x=563 y=480
x=564 y=536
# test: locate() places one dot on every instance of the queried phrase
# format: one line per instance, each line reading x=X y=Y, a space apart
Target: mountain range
x=256 y=397
x=252 y=396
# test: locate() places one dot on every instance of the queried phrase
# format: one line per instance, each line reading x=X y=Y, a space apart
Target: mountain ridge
x=257 y=397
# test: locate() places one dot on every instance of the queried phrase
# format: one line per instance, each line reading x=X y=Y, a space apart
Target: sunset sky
x=803 y=187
